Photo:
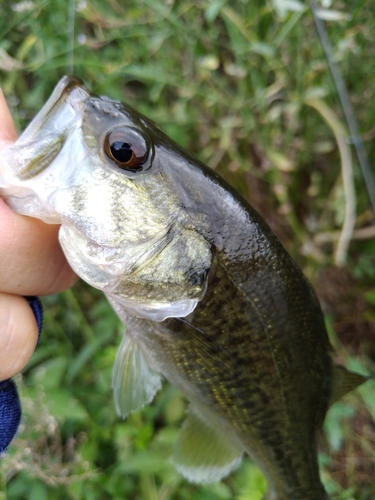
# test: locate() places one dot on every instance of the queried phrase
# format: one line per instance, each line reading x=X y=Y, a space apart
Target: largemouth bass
x=210 y=298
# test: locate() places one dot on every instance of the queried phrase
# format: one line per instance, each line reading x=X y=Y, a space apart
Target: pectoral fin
x=134 y=381
x=344 y=381
x=202 y=454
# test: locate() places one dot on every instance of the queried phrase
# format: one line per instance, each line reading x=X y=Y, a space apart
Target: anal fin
x=202 y=453
x=134 y=381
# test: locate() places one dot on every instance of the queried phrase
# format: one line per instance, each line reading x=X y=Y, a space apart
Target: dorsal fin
x=202 y=453
x=344 y=381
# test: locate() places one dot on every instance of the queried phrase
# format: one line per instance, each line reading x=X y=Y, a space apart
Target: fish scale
x=226 y=395
x=245 y=420
x=209 y=297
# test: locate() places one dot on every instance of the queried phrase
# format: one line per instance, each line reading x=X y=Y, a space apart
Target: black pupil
x=121 y=151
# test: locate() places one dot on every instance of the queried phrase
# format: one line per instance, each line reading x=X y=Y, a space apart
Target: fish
x=210 y=298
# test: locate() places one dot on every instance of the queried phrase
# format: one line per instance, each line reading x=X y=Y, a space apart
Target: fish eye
x=127 y=148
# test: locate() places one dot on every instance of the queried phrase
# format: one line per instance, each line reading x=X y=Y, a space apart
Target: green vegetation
x=244 y=86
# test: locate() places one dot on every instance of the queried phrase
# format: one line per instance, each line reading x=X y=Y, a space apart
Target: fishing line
x=70 y=38
x=70 y=70
x=355 y=135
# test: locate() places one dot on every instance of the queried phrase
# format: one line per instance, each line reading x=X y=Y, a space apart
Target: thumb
x=18 y=334
x=8 y=132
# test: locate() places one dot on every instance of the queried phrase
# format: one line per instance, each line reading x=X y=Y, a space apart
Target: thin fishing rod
x=355 y=135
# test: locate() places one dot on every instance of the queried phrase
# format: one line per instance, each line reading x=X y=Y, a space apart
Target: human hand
x=31 y=263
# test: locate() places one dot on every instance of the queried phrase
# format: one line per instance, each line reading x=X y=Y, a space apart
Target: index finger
x=32 y=262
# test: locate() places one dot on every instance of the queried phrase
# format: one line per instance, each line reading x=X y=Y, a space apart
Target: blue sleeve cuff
x=10 y=407
x=10 y=413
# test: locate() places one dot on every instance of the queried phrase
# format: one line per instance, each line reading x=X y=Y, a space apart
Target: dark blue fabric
x=10 y=412
x=36 y=306
x=10 y=407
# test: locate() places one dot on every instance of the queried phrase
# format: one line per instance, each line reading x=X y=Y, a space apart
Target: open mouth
x=45 y=136
x=66 y=101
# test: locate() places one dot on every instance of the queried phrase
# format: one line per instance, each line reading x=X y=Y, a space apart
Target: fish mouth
x=37 y=148
x=43 y=139
x=70 y=93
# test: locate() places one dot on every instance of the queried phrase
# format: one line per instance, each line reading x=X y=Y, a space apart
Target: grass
x=234 y=83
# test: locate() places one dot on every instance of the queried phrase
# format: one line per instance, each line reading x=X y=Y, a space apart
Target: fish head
x=110 y=178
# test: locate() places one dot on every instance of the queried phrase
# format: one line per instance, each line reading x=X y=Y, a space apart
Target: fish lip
x=54 y=123
x=63 y=90
x=70 y=90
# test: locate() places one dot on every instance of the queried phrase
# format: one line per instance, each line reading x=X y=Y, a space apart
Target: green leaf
x=63 y=406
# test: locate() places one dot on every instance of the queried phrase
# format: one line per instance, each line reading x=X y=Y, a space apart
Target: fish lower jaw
x=152 y=309
x=108 y=276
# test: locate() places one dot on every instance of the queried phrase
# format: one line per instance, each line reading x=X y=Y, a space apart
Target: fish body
x=210 y=298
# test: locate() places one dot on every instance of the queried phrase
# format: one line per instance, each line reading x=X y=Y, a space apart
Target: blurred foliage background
x=244 y=85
